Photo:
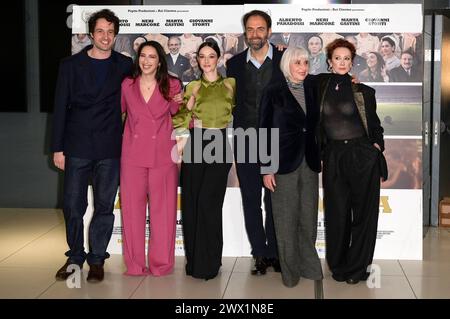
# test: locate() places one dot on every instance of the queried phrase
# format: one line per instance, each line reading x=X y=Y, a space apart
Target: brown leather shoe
x=62 y=274
x=96 y=273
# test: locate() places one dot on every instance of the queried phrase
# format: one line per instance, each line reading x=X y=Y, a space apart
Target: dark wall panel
x=13 y=79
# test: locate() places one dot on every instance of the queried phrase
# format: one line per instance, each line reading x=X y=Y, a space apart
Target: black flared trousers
x=351 y=183
x=204 y=185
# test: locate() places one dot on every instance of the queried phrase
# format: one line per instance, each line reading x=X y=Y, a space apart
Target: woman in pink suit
x=148 y=174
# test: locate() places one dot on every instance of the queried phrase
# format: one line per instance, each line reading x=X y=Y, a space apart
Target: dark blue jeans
x=105 y=180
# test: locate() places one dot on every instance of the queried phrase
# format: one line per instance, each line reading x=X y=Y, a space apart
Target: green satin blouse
x=213 y=105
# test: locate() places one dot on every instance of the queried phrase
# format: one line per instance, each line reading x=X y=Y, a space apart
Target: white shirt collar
x=174 y=57
x=255 y=62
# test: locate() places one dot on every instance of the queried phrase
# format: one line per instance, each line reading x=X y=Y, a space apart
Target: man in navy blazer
x=86 y=141
x=253 y=70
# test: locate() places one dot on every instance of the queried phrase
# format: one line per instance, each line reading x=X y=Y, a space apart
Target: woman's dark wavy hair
x=162 y=76
x=380 y=61
x=389 y=40
x=209 y=43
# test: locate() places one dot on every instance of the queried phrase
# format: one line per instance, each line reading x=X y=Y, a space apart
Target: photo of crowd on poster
x=380 y=57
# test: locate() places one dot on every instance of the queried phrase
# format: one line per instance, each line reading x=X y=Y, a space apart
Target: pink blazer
x=148 y=128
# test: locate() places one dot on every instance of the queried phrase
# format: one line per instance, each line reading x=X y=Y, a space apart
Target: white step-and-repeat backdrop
x=399 y=103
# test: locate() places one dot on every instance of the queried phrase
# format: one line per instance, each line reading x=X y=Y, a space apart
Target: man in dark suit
x=359 y=63
x=406 y=72
x=288 y=40
x=253 y=70
x=86 y=141
x=176 y=63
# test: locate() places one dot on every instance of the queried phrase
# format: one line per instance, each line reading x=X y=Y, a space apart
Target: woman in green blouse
x=206 y=161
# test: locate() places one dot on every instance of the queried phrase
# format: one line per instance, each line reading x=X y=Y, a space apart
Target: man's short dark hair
x=408 y=51
x=106 y=14
x=259 y=13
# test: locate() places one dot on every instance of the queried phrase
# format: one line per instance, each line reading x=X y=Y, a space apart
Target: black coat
x=366 y=104
x=88 y=124
x=297 y=139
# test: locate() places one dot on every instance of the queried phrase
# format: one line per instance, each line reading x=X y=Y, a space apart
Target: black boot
x=260 y=266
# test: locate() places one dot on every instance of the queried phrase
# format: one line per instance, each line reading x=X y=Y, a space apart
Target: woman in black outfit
x=352 y=146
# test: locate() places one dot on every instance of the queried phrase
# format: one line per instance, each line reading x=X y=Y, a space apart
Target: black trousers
x=260 y=232
x=351 y=183
x=203 y=191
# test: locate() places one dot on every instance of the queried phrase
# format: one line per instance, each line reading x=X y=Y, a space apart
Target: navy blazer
x=236 y=69
x=297 y=130
x=86 y=123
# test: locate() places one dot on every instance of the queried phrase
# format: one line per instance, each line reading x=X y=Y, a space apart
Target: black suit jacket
x=297 y=130
x=86 y=123
x=236 y=69
x=399 y=74
x=359 y=65
x=364 y=97
x=181 y=65
x=366 y=104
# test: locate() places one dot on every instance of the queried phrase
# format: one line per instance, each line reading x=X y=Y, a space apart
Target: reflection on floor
x=32 y=246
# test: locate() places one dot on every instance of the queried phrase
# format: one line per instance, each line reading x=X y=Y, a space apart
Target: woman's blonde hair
x=292 y=54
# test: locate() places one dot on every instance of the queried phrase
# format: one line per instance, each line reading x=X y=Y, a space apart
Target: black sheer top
x=340 y=117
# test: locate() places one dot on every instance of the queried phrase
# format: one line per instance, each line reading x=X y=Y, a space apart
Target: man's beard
x=256 y=45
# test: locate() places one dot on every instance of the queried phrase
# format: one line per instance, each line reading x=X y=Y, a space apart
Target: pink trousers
x=156 y=187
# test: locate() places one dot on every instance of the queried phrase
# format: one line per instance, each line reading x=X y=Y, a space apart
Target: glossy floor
x=32 y=246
